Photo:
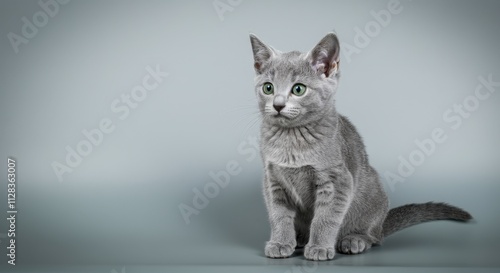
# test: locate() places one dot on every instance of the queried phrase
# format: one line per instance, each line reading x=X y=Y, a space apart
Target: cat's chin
x=281 y=120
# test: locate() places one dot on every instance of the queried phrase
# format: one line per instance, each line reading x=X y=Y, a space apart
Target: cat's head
x=294 y=88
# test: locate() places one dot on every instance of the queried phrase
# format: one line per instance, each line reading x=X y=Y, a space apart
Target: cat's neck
x=301 y=145
x=309 y=133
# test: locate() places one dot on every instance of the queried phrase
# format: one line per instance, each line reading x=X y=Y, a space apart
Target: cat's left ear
x=261 y=53
x=325 y=56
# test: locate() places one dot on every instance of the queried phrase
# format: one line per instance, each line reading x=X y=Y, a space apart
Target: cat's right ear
x=261 y=53
x=325 y=56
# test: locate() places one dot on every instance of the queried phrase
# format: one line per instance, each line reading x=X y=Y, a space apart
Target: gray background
x=119 y=209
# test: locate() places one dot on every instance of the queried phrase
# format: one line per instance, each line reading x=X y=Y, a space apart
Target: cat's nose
x=279 y=103
x=278 y=107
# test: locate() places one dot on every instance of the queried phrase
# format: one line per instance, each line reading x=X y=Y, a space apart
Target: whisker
x=243 y=117
x=241 y=108
x=251 y=124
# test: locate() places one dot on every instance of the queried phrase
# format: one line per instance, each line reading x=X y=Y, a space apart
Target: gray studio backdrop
x=133 y=125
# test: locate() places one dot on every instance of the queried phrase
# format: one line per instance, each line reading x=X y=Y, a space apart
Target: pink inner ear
x=324 y=68
x=320 y=67
x=321 y=61
x=335 y=67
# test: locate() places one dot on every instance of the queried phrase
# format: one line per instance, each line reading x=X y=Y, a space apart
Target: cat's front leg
x=281 y=217
x=333 y=196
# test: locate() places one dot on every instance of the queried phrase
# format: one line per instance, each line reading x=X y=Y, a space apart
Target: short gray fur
x=319 y=188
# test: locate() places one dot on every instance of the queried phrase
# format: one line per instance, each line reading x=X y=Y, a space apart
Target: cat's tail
x=412 y=214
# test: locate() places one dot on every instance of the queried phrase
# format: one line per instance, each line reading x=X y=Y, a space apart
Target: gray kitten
x=320 y=190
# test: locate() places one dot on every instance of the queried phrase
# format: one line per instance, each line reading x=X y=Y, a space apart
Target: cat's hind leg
x=360 y=232
x=354 y=244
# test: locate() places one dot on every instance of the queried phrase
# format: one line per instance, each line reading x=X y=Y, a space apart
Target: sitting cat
x=319 y=188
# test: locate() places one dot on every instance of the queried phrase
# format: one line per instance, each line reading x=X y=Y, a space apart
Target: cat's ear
x=325 y=56
x=261 y=53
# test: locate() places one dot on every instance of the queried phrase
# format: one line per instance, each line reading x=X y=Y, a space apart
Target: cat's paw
x=353 y=244
x=277 y=250
x=319 y=253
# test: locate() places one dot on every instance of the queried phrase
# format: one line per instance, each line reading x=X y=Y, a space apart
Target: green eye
x=298 y=89
x=268 y=88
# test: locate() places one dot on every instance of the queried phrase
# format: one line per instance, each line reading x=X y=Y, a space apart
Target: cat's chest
x=290 y=154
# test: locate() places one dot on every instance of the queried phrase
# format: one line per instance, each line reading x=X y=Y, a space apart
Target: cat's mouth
x=280 y=115
x=285 y=115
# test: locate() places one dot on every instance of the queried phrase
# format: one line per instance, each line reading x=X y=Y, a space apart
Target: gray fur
x=319 y=189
